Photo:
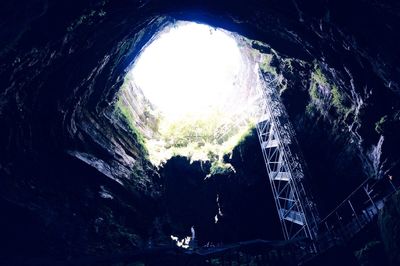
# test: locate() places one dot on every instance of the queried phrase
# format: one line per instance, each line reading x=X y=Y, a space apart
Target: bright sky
x=189 y=69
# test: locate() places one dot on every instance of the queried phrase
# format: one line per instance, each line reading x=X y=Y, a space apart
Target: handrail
x=344 y=201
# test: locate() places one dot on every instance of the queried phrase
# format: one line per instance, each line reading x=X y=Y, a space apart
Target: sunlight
x=188 y=70
x=193 y=91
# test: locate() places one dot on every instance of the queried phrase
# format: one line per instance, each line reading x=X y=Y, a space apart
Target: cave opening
x=76 y=179
x=193 y=91
x=193 y=97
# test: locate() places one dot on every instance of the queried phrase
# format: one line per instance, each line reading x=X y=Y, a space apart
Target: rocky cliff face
x=389 y=228
x=224 y=207
x=74 y=181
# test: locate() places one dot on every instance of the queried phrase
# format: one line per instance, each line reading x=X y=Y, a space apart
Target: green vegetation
x=310 y=109
x=338 y=101
x=198 y=139
x=206 y=138
x=238 y=138
x=379 y=125
x=221 y=168
x=265 y=59
x=202 y=131
x=125 y=114
x=265 y=64
x=316 y=78
x=314 y=92
x=319 y=77
x=320 y=82
x=288 y=63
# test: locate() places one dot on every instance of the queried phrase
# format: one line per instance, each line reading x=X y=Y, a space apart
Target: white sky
x=188 y=70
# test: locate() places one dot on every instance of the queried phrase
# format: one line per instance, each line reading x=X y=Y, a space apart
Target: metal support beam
x=297 y=213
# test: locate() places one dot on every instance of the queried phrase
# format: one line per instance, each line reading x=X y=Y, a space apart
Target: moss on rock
x=123 y=113
x=379 y=125
x=325 y=94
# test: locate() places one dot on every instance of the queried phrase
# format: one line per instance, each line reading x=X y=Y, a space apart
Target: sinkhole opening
x=193 y=91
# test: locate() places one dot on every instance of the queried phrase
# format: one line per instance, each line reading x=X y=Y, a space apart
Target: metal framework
x=296 y=209
x=297 y=212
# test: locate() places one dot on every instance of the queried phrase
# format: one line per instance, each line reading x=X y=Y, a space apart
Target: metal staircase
x=296 y=209
x=297 y=212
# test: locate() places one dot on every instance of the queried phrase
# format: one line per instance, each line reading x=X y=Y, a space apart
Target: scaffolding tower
x=296 y=209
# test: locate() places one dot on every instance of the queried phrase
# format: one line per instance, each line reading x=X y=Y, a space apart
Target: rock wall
x=73 y=182
x=390 y=229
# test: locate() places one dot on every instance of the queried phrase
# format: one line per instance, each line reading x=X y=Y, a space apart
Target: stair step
x=292 y=216
x=264 y=117
x=280 y=176
x=270 y=144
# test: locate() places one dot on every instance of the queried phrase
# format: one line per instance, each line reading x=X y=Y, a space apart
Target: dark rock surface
x=223 y=208
x=73 y=182
x=389 y=225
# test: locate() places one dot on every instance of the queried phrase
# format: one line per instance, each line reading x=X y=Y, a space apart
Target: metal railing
x=297 y=212
x=296 y=209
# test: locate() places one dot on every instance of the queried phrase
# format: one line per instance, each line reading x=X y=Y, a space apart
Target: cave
x=84 y=179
